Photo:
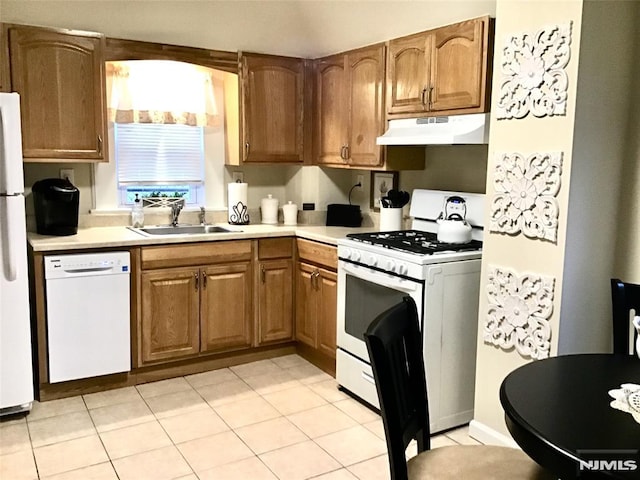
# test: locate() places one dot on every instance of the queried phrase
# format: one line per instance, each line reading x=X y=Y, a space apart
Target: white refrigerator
x=16 y=368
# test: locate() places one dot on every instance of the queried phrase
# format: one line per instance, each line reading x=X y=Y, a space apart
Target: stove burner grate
x=414 y=241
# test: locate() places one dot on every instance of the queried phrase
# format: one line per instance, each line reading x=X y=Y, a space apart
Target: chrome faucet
x=175 y=213
x=201 y=216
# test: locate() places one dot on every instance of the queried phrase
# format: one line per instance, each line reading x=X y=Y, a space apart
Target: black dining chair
x=624 y=298
x=394 y=343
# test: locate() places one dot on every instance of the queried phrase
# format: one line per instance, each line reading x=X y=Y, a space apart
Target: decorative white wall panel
x=518 y=312
x=525 y=199
x=533 y=75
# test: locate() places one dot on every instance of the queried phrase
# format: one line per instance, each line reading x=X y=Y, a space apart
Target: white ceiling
x=306 y=28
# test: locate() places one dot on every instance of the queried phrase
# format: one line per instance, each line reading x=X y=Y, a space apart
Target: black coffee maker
x=56 y=202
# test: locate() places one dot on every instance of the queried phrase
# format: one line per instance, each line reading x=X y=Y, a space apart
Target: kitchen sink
x=181 y=230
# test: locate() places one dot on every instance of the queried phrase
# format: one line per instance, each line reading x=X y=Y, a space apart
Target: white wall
x=526 y=136
x=305 y=28
x=607 y=55
x=628 y=226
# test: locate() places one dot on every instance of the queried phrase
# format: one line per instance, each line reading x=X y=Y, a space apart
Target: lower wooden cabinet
x=189 y=308
x=316 y=303
x=225 y=307
x=275 y=290
x=170 y=314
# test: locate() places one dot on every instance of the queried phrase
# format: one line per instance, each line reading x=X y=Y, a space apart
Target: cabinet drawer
x=318 y=253
x=275 y=248
x=195 y=254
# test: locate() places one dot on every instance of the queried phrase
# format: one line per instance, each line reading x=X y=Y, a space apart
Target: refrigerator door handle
x=11 y=180
x=9 y=242
x=4 y=160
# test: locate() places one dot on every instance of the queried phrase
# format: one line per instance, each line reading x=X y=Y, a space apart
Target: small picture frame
x=381 y=183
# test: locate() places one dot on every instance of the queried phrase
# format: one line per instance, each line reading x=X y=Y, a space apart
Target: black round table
x=558 y=410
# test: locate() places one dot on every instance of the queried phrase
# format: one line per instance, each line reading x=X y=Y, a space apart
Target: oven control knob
x=403 y=269
x=355 y=256
x=372 y=261
x=346 y=253
x=391 y=266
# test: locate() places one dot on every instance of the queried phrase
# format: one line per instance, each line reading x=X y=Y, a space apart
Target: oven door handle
x=379 y=278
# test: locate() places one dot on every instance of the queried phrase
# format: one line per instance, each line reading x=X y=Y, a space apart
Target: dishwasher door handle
x=87 y=270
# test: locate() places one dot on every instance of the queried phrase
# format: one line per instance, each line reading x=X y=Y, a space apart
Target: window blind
x=159 y=153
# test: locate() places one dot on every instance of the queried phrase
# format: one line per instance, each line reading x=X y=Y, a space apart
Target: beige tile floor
x=272 y=419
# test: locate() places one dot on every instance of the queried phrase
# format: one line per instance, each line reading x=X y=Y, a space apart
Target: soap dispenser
x=137 y=214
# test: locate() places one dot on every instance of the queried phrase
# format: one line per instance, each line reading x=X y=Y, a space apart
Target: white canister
x=269 y=210
x=290 y=211
x=390 y=219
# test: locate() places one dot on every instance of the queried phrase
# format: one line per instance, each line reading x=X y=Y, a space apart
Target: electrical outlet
x=360 y=180
x=238 y=177
x=67 y=173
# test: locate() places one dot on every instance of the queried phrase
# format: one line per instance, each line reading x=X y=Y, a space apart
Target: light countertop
x=121 y=236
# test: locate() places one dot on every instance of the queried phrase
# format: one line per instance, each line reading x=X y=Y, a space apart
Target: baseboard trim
x=489 y=436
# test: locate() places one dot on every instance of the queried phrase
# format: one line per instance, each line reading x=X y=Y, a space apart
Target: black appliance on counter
x=56 y=202
x=339 y=215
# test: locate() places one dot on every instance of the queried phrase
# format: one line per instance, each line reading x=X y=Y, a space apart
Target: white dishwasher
x=88 y=326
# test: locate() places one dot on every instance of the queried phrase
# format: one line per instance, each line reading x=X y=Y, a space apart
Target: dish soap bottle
x=137 y=214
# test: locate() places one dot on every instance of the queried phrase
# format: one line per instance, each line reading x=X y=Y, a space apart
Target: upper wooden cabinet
x=443 y=70
x=272 y=109
x=350 y=108
x=59 y=75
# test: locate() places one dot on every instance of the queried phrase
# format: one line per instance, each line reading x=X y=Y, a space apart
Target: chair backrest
x=624 y=297
x=394 y=343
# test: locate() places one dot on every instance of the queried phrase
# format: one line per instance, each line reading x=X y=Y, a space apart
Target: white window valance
x=161 y=91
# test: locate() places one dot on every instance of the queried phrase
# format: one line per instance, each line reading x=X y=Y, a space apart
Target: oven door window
x=364 y=301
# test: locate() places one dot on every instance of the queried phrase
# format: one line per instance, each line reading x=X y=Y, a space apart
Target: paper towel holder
x=239 y=215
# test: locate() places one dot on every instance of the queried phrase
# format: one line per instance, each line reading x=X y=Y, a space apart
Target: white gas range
x=375 y=270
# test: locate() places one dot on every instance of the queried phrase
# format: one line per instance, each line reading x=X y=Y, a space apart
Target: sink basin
x=182 y=230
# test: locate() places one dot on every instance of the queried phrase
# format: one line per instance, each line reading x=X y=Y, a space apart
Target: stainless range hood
x=451 y=130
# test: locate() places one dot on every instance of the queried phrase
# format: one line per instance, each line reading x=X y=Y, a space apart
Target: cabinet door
x=61 y=82
x=331 y=111
x=459 y=54
x=306 y=304
x=408 y=76
x=275 y=301
x=170 y=326
x=327 y=305
x=365 y=70
x=272 y=106
x=225 y=306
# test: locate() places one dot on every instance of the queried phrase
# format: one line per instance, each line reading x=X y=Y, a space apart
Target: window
x=165 y=160
x=160 y=109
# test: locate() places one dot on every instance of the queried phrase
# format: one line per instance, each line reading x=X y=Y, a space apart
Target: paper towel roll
x=237 y=203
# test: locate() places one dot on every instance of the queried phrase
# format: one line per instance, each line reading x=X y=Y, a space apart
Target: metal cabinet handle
x=196 y=277
x=263 y=274
x=346 y=153
x=246 y=149
x=423 y=97
x=314 y=279
x=204 y=279
x=342 y=152
x=100 y=144
x=429 y=99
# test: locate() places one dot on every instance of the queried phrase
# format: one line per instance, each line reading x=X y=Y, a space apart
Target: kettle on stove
x=452 y=224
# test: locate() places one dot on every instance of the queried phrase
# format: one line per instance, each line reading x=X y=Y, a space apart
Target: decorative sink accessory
x=182 y=230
